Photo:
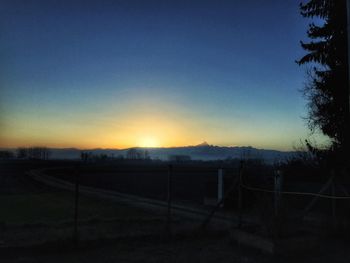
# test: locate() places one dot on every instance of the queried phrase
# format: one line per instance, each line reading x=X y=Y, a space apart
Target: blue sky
x=158 y=73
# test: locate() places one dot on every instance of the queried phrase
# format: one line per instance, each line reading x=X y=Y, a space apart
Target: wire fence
x=164 y=199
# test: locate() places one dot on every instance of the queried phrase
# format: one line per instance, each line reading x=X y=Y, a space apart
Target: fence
x=289 y=208
x=119 y=201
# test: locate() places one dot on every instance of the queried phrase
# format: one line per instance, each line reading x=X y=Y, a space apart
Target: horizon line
x=142 y=147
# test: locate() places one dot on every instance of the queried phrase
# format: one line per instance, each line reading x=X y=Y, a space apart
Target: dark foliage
x=6 y=155
x=327 y=90
x=38 y=153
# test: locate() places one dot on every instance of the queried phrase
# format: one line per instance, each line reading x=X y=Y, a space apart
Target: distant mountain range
x=203 y=151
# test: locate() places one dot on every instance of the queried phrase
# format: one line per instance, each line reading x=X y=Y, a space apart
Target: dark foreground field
x=204 y=249
x=190 y=182
x=37 y=225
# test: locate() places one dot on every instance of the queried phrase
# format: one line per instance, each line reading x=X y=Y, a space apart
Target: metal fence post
x=240 y=195
x=334 y=215
x=76 y=206
x=170 y=174
x=278 y=189
x=221 y=187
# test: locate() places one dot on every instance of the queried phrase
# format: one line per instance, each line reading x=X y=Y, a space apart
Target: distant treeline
x=6 y=154
x=38 y=153
x=131 y=154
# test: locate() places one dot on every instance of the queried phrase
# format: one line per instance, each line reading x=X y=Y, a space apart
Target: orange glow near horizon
x=116 y=76
x=130 y=131
x=138 y=127
x=149 y=142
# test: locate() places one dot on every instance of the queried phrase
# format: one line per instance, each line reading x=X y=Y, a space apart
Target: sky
x=118 y=74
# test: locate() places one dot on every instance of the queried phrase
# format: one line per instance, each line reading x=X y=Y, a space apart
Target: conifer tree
x=327 y=89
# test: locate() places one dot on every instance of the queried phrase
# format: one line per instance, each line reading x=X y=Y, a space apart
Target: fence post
x=278 y=189
x=170 y=174
x=76 y=206
x=334 y=215
x=221 y=187
x=240 y=194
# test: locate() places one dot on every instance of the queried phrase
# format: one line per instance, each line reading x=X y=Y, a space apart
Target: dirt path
x=223 y=220
x=136 y=240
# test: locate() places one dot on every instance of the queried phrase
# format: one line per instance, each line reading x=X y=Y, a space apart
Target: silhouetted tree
x=146 y=155
x=6 y=154
x=136 y=154
x=84 y=156
x=102 y=157
x=133 y=154
x=22 y=153
x=120 y=157
x=179 y=158
x=41 y=153
x=327 y=89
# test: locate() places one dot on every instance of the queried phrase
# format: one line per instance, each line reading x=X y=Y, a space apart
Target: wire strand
x=292 y=193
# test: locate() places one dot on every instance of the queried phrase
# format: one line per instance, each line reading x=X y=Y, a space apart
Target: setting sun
x=149 y=142
x=170 y=81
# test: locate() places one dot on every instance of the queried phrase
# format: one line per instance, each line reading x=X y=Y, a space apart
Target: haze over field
x=204 y=152
x=119 y=74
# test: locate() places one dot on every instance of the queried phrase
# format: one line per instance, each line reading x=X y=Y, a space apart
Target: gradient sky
x=115 y=74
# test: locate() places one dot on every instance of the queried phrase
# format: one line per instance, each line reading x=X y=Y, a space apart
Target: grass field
x=46 y=218
x=36 y=225
x=34 y=214
x=59 y=207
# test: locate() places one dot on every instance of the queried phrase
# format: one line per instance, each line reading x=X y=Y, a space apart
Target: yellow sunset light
x=149 y=142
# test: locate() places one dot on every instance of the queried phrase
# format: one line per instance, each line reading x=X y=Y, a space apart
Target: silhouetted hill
x=203 y=144
x=203 y=151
